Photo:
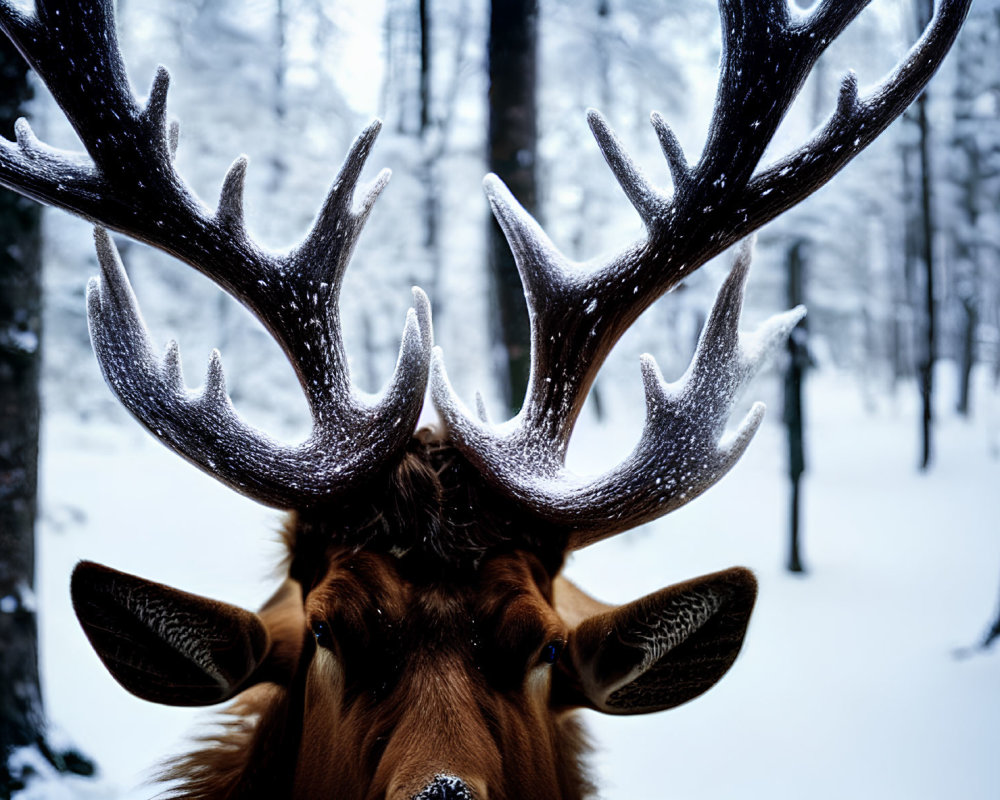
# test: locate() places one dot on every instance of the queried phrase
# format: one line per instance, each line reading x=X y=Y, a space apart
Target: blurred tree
x=278 y=155
x=975 y=170
x=22 y=720
x=437 y=124
x=926 y=226
x=798 y=362
x=974 y=150
x=424 y=18
x=512 y=150
x=22 y=716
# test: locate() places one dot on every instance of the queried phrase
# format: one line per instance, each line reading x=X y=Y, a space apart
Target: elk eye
x=324 y=638
x=551 y=651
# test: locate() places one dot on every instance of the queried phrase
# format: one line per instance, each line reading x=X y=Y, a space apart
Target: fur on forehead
x=434 y=513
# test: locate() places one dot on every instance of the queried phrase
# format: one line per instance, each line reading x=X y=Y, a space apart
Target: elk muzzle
x=448 y=787
x=442 y=748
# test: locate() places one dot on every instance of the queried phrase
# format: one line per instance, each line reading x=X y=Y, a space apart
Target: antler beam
x=679 y=454
x=126 y=181
x=578 y=312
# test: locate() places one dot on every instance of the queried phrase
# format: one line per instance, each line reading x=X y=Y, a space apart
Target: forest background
x=865 y=673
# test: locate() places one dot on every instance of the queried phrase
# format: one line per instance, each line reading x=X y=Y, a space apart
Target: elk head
x=424 y=644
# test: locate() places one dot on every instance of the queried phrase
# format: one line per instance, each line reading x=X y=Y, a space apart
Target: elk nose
x=446 y=787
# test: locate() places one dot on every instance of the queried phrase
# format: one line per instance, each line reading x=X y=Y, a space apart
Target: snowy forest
x=866 y=504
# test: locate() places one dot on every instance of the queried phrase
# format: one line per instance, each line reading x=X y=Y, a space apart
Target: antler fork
x=578 y=311
x=127 y=182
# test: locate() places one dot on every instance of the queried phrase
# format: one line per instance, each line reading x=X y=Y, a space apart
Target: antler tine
x=204 y=427
x=682 y=450
x=766 y=56
x=579 y=311
x=855 y=123
x=126 y=181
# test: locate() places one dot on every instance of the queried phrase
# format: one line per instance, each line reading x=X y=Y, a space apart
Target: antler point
x=230 y=208
x=94 y=292
x=732 y=447
x=363 y=144
x=215 y=379
x=492 y=183
x=24 y=135
x=652 y=378
x=680 y=172
x=848 y=99
x=157 y=100
x=373 y=191
x=422 y=307
x=599 y=126
x=172 y=364
x=107 y=253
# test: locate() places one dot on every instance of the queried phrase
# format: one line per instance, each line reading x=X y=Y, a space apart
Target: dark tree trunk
x=966 y=235
x=976 y=143
x=512 y=155
x=928 y=355
x=929 y=351
x=907 y=312
x=425 y=65
x=437 y=120
x=278 y=163
x=432 y=155
x=21 y=716
x=798 y=362
x=602 y=56
x=967 y=355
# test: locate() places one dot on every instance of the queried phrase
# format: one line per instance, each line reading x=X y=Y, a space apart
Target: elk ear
x=165 y=645
x=662 y=650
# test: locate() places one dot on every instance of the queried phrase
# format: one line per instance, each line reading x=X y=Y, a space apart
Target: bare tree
x=798 y=361
x=424 y=19
x=22 y=720
x=512 y=151
x=926 y=227
x=22 y=714
x=974 y=143
x=975 y=149
x=437 y=125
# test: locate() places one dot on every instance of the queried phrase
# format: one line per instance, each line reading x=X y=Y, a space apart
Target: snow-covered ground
x=849 y=685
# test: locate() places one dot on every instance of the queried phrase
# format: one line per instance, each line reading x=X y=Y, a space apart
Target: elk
x=423 y=643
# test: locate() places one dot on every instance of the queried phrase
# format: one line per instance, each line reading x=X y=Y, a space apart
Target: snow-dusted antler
x=578 y=312
x=681 y=452
x=126 y=181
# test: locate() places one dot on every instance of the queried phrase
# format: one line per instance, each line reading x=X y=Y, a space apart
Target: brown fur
x=434 y=512
x=251 y=734
x=386 y=666
x=427 y=677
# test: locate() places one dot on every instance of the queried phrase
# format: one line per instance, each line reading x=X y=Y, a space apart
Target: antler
x=127 y=182
x=577 y=312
